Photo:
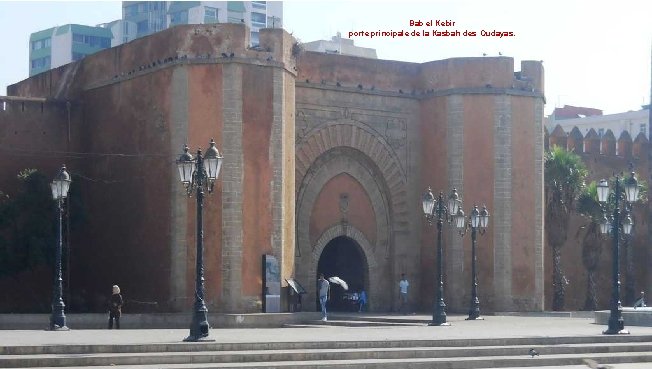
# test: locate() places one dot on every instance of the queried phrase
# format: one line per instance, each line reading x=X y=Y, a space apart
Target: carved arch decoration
x=363 y=138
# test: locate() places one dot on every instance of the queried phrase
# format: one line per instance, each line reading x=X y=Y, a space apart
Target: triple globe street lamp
x=614 y=224
x=439 y=210
x=197 y=174
x=60 y=186
x=478 y=222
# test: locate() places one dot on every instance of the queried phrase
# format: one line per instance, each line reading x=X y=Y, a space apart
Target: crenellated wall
x=591 y=143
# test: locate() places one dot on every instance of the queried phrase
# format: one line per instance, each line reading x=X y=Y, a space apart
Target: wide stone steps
x=412 y=363
x=454 y=354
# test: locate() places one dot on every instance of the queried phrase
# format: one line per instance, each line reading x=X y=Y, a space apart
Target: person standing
x=115 y=307
x=403 y=294
x=324 y=291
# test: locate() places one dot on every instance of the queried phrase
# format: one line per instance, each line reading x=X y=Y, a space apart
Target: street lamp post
x=630 y=291
x=631 y=189
x=478 y=222
x=197 y=174
x=60 y=186
x=439 y=210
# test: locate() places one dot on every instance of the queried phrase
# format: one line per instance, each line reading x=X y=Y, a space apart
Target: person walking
x=324 y=291
x=115 y=307
x=403 y=294
x=362 y=300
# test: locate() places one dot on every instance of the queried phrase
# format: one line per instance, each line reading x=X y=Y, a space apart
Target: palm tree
x=589 y=206
x=563 y=181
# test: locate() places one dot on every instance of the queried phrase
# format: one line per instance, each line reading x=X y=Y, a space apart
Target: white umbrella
x=340 y=281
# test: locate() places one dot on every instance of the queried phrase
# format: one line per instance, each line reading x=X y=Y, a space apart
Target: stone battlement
x=592 y=143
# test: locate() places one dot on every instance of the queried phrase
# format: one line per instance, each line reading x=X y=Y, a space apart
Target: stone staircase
x=453 y=354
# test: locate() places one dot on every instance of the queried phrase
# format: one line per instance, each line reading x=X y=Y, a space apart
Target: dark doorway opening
x=343 y=257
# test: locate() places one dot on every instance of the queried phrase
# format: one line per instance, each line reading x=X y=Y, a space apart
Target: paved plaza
x=460 y=329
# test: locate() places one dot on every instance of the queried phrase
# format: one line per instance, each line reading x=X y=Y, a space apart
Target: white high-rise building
x=54 y=47
x=154 y=16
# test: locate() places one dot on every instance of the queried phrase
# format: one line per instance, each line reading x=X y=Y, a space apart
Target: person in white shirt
x=403 y=294
x=324 y=289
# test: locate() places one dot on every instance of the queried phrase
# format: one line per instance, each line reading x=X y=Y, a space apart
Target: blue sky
x=595 y=54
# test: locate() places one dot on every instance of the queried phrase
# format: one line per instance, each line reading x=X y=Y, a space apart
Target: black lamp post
x=60 y=186
x=630 y=297
x=197 y=174
x=616 y=322
x=437 y=209
x=478 y=222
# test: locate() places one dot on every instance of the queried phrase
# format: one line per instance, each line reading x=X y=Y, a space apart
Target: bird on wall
x=359 y=86
x=225 y=55
x=484 y=54
x=499 y=53
x=338 y=84
x=533 y=352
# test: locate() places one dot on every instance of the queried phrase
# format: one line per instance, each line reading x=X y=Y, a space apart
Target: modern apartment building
x=154 y=16
x=54 y=47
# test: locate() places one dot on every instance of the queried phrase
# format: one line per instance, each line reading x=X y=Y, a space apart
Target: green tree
x=563 y=181
x=27 y=230
x=589 y=207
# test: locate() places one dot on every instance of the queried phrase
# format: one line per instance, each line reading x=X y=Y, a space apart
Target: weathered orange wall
x=122 y=243
x=204 y=123
x=257 y=114
x=523 y=196
x=434 y=174
x=478 y=189
x=326 y=211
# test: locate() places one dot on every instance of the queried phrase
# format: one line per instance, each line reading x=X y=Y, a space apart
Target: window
x=179 y=18
x=259 y=4
x=255 y=40
x=93 y=41
x=43 y=62
x=643 y=128
x=210 y=15
x=258 y=19
x=142 y=27
x=36 y=45
x=131 y=10
x=47 y=42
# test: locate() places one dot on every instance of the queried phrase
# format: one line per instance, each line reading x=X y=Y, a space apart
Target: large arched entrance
x=343 y=257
